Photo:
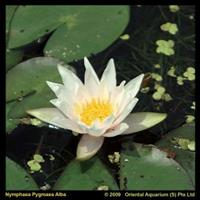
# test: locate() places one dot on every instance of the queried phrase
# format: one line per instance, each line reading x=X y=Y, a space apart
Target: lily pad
x=145 y=167
x=87 y=30
x=10 y=122
x=26 y=84
x=186 y=158
x=79 y=30
x=44 y=19
x=13 y=57
x=17 y=178
x=87 y=175
x=10 y=10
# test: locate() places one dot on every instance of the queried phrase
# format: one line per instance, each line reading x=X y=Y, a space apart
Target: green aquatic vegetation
x=145 y=90
x=34 y=164
x=156 y=77
x=103 y=187
x=172 y=28
x=35 y=122
x=184 y=143
x=157 y=66
x=165 y=47
x=171 y=72
x=125 y=37
x=180 y=80
x=189 y=118
x=114 y=158
x=193 y=106
x=160 y=93
x=174 y=8
x=190 y=73
x=191 y=146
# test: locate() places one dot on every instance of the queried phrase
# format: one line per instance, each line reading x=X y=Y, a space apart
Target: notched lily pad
x=26 y=84
x=145 y=167
x=17 y=178
x=184 y=155
x=87 y=175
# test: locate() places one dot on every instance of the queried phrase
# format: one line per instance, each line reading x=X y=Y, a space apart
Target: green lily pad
x=87 y=30
x=145 y=167
x=44 y=19
x=10 y=122
x=79 y=30
x=17 y=178
x=186 y=158
x=26 y=83
x=13 y=57
x=87 y=175
x=10 y=10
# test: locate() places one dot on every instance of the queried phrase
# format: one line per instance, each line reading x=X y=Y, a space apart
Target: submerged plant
x=97 y=108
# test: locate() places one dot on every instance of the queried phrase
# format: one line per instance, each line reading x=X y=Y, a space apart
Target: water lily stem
x=40 y=144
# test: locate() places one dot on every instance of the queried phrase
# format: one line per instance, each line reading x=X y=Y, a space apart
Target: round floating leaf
x=87 y=175
x=10 y=122
x=17 y=178
x=87 y=30
x=144 y=167
x=44 y=19
x=26 y=83
x=81 y=30
x=10 y=10
x=186 y=158
x=13 y=57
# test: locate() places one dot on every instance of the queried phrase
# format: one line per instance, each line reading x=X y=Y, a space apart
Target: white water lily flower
x=97 y=108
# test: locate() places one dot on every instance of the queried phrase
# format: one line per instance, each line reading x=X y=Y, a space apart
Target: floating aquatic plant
x=165 y=47
x=172 y=28
x=156 y=77
x=125 y=37
x=189 y=118
x=193 y=105
x=35 y=163
x=190 y=73
x=174 y=8
x=180 y=80
x=171 y=72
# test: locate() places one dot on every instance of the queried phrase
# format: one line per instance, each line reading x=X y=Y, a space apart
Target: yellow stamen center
x=94 y=110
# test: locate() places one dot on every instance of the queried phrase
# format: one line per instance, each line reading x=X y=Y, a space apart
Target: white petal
x=88 y=147
x=126 y=111
x=56 y=87
x=82 y=95
x=61 y=91
x=133 y=86
x=143 y=120
x=55 y=117
x=64 y=107
x=91 y=79
x=109 y=75
x=116 y=96
x=118 y=130
x=70 y=80
x=99 y=128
